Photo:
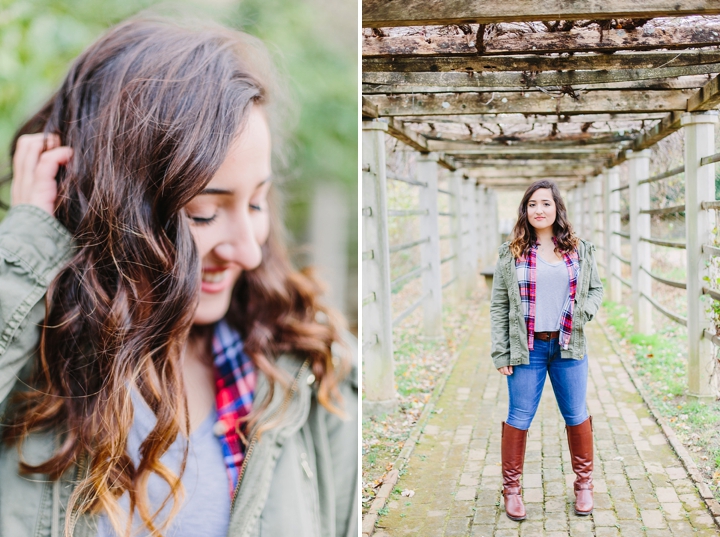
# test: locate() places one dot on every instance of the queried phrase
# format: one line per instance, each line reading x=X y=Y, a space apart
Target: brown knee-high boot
x=513 y=458
x=580 y=441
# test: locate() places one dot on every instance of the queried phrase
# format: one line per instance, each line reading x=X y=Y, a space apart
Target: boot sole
x=516 y=519
x=583 y=513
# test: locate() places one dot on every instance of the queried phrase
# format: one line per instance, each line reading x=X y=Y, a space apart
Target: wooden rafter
x=474 y=148
x=383 y=13
x=535 y=171
x=533 y=63
x=600 y=101
x=529 y=119
x=561 y=140
x=376 y=81
x=686 y=82
x=591 y=39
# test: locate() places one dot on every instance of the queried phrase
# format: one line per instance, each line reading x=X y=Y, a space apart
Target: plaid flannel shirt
x=526 y=268
x=234 y=389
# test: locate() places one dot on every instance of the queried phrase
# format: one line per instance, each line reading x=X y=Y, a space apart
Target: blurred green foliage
x=39 y=39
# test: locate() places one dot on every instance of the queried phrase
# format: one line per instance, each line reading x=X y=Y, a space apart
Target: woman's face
x=541 y=209
x=230 y=220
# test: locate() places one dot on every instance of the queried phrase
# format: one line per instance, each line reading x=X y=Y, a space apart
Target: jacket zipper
x=253 y=441
x=74 y=514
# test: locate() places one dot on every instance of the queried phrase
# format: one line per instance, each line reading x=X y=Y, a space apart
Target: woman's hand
x=35 y=165
x=505 y=370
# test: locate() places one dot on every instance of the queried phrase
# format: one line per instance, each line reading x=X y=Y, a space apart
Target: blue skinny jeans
x=568 y=378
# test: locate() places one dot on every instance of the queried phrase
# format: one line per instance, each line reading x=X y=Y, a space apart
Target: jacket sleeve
x=33 y=248
x=595 y=289
x=500 y=320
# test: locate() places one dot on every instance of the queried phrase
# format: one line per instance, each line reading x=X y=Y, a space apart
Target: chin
x=211 y=309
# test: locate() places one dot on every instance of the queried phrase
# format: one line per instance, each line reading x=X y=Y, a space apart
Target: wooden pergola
x=503 y=93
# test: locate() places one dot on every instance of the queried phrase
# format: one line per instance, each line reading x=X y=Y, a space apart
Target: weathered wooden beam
x=588 y=39
x=578 y=139
x=522 y=184
x=576 y=157
x=417 y=141
x=534 y=63
x=383 y=13
x=535 y=171
x=369 y=110
x=375 y=81
x=555 y=162
x=529 y=119
x=668 y=125
x=707 y=98
x=685 y=82
x=474 y=148
x=600 y=101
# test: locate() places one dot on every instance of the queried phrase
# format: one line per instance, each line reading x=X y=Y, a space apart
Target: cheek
x=202 y=241
x=261 y=226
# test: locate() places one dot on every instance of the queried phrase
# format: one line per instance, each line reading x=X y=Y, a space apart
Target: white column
x=639 y=168
x=588 y=210
x=699 y=186
x=455 y=187
x=494 y=233
x=596 y=209
x=377 y=351
x=612 y=241
x=480 y=220
x=427 y=172
x=580 y=217
x=470 y=234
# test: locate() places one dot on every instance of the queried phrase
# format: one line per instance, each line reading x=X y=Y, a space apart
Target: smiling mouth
x=215 y=276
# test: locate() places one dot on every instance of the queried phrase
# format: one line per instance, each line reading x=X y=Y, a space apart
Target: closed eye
x=203 y=221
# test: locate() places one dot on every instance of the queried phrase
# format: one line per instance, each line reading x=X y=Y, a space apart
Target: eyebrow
x=226 y=192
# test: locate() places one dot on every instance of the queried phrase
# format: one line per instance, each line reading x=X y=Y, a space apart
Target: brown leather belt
x=547 y=336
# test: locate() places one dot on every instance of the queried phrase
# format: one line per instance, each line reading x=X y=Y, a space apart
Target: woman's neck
x=544 y=236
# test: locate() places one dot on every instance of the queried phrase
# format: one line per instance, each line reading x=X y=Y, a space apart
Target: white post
x=427 y=172
x=494 y=225
x=470 y=234
x=612 y=241
x=587 y=209
x=596 y=208
x=699 y=186
x=579 y=212
x=377 y=351
x=480 y=220
x=639 y=168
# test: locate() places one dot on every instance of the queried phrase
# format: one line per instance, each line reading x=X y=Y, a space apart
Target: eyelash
x=206 y=221
x=203 y=221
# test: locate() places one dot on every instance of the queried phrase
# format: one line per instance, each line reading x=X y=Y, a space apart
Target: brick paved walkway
x=641 y=487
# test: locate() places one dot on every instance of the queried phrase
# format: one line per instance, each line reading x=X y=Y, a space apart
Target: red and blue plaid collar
x=234 y=389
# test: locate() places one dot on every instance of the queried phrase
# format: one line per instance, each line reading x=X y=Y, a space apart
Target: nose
x=239 y=245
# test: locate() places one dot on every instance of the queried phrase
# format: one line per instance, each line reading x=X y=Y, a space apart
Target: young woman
x=546 y=287
x=163 y=369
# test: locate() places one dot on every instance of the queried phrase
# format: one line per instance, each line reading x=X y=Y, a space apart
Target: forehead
x=541 y=194
x=249 y=159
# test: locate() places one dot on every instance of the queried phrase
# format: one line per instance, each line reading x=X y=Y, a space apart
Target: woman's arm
x=33 y=248
x=595 y=289
x=500 y=320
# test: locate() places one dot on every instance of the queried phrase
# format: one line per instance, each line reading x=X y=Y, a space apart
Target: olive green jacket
x=508 y=329
x=300 y=478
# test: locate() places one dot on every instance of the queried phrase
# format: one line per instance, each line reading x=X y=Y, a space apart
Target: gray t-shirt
x=552 y=287
x=206 y=507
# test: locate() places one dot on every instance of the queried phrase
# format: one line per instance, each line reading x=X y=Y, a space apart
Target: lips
x=215 y=279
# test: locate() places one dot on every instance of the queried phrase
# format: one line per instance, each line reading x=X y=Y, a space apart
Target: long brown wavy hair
x=150 y=110
x=523 y=234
